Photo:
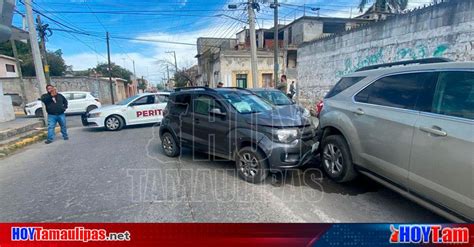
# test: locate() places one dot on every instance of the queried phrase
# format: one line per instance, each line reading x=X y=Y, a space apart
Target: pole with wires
x=276 y=43
x=253 y=44
x=109 y=67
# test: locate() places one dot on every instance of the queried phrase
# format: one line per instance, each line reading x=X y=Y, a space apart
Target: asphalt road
x=100 y=176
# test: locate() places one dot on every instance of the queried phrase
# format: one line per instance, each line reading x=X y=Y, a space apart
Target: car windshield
x=127 y=100
x=275 y=97
x=246 y=103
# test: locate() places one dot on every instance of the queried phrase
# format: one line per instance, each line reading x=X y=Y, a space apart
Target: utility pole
x=36 y=55
x=168 y=73
x=42 y=35
x=109 y=67
x=20 y=73
x=253 y=44
x=134 y=73
x=276 y=45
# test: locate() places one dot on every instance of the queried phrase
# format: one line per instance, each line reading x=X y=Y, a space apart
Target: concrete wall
x=443 y=30
x=98 y=87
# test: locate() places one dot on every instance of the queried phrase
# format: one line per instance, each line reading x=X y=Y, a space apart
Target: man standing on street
x=292 y=89
x=282 y=86
x=56 y=105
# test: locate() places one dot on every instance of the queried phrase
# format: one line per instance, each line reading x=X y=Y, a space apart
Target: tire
x=39 y=112
x=251 y=165
x=114 y=123
x=91 y=107
x=336 y=159
x=169 y=144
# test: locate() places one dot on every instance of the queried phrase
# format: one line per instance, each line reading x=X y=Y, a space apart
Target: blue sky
x=159 y=20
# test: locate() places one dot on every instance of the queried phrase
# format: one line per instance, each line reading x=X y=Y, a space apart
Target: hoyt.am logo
x=435 y=234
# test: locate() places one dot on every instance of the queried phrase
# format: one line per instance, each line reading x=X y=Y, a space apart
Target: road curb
x=25 y=141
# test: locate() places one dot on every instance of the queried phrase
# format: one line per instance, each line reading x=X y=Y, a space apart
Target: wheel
x=251 y=165
x=337 y=160
x=39 y=112
x=169 y=144
x=91 y=107
x=114 y=123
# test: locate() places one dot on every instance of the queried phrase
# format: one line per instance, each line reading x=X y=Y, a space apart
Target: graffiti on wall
x=376 y=56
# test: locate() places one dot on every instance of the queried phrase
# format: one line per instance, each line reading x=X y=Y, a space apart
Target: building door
x=242 y=80
x=267 y=80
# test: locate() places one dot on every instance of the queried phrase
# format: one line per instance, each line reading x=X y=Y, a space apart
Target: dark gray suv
x=238 y=125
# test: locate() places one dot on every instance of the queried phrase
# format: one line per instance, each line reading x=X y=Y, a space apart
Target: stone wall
x=97 y=86
x=442 y=30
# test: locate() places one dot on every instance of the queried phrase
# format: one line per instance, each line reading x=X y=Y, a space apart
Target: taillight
x=319 y=107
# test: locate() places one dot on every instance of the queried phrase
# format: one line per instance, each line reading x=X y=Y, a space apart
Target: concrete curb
x=12 y=147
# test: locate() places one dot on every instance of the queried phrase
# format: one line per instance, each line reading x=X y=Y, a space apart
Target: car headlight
x=94 y=115
x=285 y=135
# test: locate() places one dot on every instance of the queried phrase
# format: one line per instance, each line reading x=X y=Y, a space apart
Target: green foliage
x=117 y=71
x=57 y=66
x=160 y=86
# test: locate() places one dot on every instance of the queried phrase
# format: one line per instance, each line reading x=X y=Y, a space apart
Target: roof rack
x=407 y=62
x=179 y=89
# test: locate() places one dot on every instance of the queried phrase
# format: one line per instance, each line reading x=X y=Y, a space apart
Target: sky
x=144 y=32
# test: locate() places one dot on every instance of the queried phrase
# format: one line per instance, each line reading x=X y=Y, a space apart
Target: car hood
x=280 y=116
x=107 y=108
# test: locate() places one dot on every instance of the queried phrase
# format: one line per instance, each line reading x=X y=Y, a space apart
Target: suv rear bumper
x=292 y=155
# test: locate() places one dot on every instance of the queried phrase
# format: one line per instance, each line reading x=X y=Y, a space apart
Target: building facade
x=8 y=67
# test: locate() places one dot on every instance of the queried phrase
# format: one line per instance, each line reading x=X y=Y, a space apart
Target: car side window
x=180 y=104
x=162 y=98
x=79 y=96
x=406 y=91
x=454 y=94
x=204 y=103
x=145 y=100
x=68 y=96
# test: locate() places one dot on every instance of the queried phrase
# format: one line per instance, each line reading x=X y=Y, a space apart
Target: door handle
x=435 y=130
x=359 y=111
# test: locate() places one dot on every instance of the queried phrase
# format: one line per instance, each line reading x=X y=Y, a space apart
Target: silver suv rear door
x=442 y=160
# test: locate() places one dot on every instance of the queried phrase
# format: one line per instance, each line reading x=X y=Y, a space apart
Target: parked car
x=16 y=98
x=237 y=125
x=279 y=99
x=78 y=102
x=139 y=109
x=410 y=128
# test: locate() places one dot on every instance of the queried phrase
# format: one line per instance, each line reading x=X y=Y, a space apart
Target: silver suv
x=408 y=127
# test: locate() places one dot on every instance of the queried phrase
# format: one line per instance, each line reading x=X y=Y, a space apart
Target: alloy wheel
x=333 y=160
x=167 y=144
x=249 y=164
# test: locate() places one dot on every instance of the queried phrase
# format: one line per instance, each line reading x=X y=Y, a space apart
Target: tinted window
x=162 y=98
x=146 y=100
x=246 y=103
x=204 y=103
x=342 y=85
x=401 y=91
x=454 y=95
x=180 y=104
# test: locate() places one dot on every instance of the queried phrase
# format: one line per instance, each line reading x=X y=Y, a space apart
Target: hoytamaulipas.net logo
x=429 y=234
x=73 y=234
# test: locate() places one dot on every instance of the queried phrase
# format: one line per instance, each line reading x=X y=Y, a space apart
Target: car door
x=442 y=160
x=161 y=100
x=142 y=110
x=210 y=129
x=69 y=98
x=80 y=102
x=384 y=116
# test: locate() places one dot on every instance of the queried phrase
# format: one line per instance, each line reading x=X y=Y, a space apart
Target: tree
x=117 y=71
x=384 y=5
x=57 y=66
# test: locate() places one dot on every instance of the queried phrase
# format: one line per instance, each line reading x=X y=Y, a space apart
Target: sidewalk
x=19 y=132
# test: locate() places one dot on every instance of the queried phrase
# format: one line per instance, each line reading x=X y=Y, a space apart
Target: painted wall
x=3 y=68
x=443 y=30
x=98 y=87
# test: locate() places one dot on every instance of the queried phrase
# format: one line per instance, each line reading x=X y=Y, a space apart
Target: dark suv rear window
x=343 y=84
x=179 y=103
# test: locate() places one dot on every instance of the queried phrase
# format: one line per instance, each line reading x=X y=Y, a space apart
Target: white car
x=138 y=109
x=78 y=102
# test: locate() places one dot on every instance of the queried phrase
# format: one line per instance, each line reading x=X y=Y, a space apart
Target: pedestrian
x=220 y=84
x=282 y=86
x=56 y=105
x=292 y=89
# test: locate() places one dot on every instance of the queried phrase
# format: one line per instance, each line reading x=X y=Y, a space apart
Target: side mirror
x=217 y=111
